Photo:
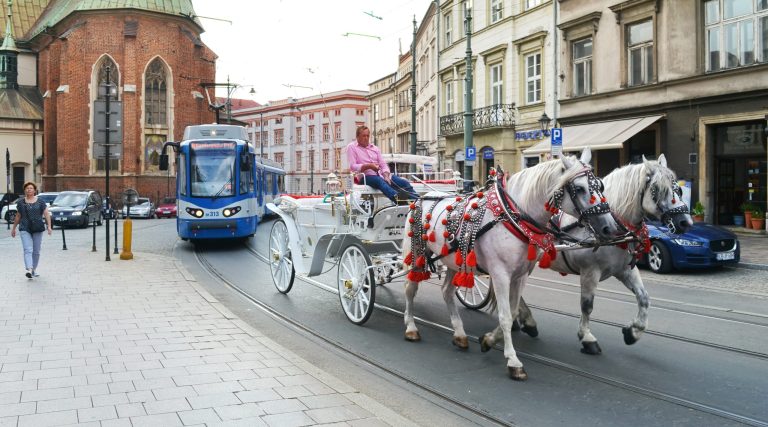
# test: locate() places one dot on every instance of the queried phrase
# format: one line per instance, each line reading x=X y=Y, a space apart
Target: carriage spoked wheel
x=357 y=286
x=280 y=258
x=477 y=296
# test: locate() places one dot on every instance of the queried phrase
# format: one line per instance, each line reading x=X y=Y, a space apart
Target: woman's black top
x=29 y=211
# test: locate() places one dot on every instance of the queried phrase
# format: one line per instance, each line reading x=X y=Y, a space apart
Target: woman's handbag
x=36 y=225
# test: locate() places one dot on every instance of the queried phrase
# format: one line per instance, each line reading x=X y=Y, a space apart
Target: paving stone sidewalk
x=140 y=343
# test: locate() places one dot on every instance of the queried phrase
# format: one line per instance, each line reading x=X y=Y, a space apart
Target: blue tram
x=222 y=187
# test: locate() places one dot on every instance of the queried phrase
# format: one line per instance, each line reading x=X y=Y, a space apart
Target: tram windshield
x=212 y=168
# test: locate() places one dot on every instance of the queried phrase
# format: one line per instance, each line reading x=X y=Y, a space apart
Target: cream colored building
x=687 y=78
x=512 y=79
x=427 y=86
x=382 y=106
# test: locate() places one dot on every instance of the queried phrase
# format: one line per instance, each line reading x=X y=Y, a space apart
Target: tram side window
x=182 y=175
x=280 y=184
x=269 y=189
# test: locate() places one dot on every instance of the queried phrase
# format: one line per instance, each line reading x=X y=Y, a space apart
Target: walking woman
x=29 y=218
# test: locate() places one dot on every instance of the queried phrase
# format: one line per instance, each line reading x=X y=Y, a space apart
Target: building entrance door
x=18 y=179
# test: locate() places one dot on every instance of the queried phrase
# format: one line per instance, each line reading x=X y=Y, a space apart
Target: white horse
x=527 y=201
x=647 y=189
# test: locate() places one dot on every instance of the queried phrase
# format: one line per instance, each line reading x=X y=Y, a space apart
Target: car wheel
x=659 y=260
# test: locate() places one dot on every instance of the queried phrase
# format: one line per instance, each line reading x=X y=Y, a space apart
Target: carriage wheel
x=280 y=260
x=357 y=287
x=478 y=296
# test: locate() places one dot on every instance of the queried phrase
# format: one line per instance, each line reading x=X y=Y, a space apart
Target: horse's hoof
x=532 y=331
x=629 y=337
x=461 y=342
x=484 y=346
x=517 y=374
x=412 y=336
x=515 y=325
x=591 y=348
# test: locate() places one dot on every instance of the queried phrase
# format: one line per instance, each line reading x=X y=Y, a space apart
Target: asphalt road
x=701 y=363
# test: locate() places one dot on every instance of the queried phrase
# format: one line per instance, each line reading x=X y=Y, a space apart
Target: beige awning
x=597 y=136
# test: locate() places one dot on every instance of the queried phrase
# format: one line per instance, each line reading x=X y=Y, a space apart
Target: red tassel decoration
x=458 y=258
x=424 y=237
x=426 y=275
x=413 y=276
x=432 y=237
x=467 y=217
x=469 y=280
x=603 y=199
x=592 y=199
x=493 y=172
x=409 y=258
x=421 y=261
x=444 y=251
x=474 y=205
x=546 y=206
x=449 y=208
x=426 y=226
x=553 y=254
x=410 y=233
x=444 y=221
x=458 y=279
x=546 y=261
x=480 y=193
x=411 y=220
x=446 y=234
x=412 y=206
x=531 y=252
x=471 y=259
x=458 y=199
x=428 y=217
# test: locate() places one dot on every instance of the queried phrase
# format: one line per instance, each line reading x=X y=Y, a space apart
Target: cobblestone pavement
x=111 y=344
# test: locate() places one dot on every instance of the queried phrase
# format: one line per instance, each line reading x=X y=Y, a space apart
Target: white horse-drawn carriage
x=358 y=228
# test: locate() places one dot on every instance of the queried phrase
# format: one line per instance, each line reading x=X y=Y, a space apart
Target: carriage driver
x=365 y=159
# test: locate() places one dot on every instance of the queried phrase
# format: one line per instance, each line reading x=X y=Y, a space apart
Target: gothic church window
x=156 y=94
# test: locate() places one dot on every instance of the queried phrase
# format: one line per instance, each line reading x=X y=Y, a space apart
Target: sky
x=276 y=46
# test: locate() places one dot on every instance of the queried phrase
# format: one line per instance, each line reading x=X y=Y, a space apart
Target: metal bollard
x=93 y=248
x=127 y=232
x=63 y=239
x=116 y=252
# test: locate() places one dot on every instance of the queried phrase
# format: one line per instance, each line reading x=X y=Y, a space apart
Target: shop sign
x=488 y=153
x=531 y=134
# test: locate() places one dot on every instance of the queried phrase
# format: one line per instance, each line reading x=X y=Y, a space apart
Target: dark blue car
x=703 y=245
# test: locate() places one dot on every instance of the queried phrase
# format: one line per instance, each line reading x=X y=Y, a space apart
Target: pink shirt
x=357 y=156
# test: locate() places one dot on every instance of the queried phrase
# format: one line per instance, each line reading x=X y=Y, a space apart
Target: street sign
x=115 y=122
x=557 y=141
x=471 y=154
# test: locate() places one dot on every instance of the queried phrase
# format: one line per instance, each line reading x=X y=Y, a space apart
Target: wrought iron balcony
x=492 y=116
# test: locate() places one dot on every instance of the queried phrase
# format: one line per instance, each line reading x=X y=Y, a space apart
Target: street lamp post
x=413 y=94
x=8 y=184
x=468 y=115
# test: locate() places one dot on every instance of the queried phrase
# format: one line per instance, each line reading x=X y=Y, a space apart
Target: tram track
x=339 y=347
x=547 y=361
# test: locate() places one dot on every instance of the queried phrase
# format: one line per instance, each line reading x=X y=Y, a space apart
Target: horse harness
x=462 y=227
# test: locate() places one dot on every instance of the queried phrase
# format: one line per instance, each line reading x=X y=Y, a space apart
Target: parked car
x=76 y=208
x=9 y=212
x=108 y=210
x=142 y=209
x=703 y=245
x=166 y=208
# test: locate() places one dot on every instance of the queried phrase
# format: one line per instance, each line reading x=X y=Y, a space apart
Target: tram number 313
x=212 y=213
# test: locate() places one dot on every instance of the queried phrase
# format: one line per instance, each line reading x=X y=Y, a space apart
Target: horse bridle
x=666 y=215
x=596 y=189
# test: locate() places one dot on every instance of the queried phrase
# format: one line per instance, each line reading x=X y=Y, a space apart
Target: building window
x=279 y=121
x=337 y=131
x=391 y=107
x=736 y=33
x=299 y=163
x=279 y=136
x=279 y=159
x=326 y=161
x=640 y=53
x=582 y=67
x=530 y=4
x=326 y=133
x=533 y=78
x=497 y=84
x=155 y=94
x=311 y=116
x=298 y=136
x=311 y=134
x=448 y=20
x=337 y=112
x=497 y=11
x=359 y=112
x=325 y=114
x=448 y=97
x=375 y=111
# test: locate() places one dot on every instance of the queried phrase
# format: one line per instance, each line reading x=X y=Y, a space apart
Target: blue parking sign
x=557 y=136
x=470 y=154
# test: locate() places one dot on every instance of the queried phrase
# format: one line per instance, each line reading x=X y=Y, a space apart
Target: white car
x=142 y=209
x=9 y=212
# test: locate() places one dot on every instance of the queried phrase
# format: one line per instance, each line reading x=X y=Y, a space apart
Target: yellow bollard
x=127 y=231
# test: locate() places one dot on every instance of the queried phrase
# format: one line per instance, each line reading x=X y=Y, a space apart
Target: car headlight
x=197 y=213
x=228 y=212
x=76 y=213
x=686 y=242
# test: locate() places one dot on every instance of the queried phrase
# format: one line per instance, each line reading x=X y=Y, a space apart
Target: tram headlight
x=197 y=213
x=228 y=212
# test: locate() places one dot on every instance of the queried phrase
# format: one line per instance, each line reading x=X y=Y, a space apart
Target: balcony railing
x=492 y=116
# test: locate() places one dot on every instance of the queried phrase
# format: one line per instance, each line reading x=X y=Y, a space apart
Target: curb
x=752 y=266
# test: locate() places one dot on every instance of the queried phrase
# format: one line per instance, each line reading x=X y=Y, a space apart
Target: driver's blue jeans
x=399 y=185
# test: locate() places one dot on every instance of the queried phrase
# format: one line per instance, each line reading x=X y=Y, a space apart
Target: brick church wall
x=70 y=60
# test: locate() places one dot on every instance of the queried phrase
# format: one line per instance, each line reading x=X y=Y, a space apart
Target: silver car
x=142 y=209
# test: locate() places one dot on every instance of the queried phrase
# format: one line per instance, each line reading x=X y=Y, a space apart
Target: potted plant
x=698 y=212
x=758 y=219
x=747 y=208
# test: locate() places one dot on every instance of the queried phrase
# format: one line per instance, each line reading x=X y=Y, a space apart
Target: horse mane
x=625 y=186
x=536 y=181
